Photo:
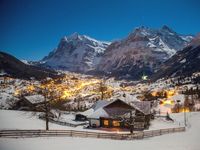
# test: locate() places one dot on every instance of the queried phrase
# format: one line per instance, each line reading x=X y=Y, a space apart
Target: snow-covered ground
x=11 y=119
x=188 y=140
x=24 y=120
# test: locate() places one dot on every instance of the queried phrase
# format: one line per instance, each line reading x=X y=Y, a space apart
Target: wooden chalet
x=117 y=114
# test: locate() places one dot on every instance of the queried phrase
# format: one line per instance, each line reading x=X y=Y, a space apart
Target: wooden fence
x=84 y=134
x=65 y=123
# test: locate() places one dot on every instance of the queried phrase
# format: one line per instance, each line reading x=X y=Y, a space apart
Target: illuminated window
x=116 y=123
x=105 y=122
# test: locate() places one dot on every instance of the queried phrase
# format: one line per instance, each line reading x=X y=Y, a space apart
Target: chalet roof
x=99 y=113
x=103 y=109
x=34 y=99
x=87 y=112
x=96 y=106
x=99 y=104
x=143 y=106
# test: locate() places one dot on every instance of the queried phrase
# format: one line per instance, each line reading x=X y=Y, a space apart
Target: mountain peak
x=141 y=31
x=76 y=53
x=166 y=28
x=141 y=28
x=76 y=37
x=73 y=36
x=144 y=49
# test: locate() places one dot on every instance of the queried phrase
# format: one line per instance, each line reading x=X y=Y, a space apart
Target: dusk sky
x=30 y=29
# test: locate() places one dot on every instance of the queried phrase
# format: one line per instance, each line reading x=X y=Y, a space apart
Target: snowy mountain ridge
x=76 y=53
x=142 y=51
x=183 y=63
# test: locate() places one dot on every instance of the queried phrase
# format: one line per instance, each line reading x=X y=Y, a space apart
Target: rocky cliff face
x=76 y=53
x=184 y=63
x=142 y=52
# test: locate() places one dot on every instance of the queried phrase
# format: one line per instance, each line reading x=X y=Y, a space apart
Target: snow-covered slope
x=184 y=63
x=142 y=51
x=76 y=53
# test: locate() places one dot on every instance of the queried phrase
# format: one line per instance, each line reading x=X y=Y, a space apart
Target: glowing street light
x=144 y=77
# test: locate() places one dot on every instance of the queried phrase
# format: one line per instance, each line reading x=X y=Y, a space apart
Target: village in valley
x=99 y=108
x=85 y=106
x=99 y=104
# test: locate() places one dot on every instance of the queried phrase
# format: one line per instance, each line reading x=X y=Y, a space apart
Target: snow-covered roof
x=35 y=98
x=99 y=104
x=143 y=106
x=88 y=112
x=100 y=108
x=99 y=113
x=96 y=106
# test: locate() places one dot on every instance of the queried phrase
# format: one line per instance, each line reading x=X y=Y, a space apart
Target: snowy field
x=11 y=119
x=24 y=120
x=188 y=140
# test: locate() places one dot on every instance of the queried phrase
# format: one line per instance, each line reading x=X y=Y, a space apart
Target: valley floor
x=188 y=140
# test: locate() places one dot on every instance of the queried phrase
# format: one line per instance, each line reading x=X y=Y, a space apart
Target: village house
x=29 y=103
x=4 y=77
x=117 y=114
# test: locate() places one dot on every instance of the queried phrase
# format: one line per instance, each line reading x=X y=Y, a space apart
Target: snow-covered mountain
x=76 y=53
x=183 y=63
x=142 y=51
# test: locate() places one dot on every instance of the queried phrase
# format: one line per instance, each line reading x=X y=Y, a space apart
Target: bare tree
x=46 y=110
x=46 y=106
x=102 y=89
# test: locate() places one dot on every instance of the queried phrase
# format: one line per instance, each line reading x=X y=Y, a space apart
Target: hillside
x=15 y=68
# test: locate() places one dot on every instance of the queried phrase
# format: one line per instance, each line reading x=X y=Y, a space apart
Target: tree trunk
x=47 y=117
x=46 y=113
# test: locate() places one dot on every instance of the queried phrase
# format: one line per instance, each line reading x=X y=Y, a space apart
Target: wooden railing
x=74 y=133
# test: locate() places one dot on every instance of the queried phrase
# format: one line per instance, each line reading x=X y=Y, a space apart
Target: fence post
x=71 y=133
x=142 y=134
